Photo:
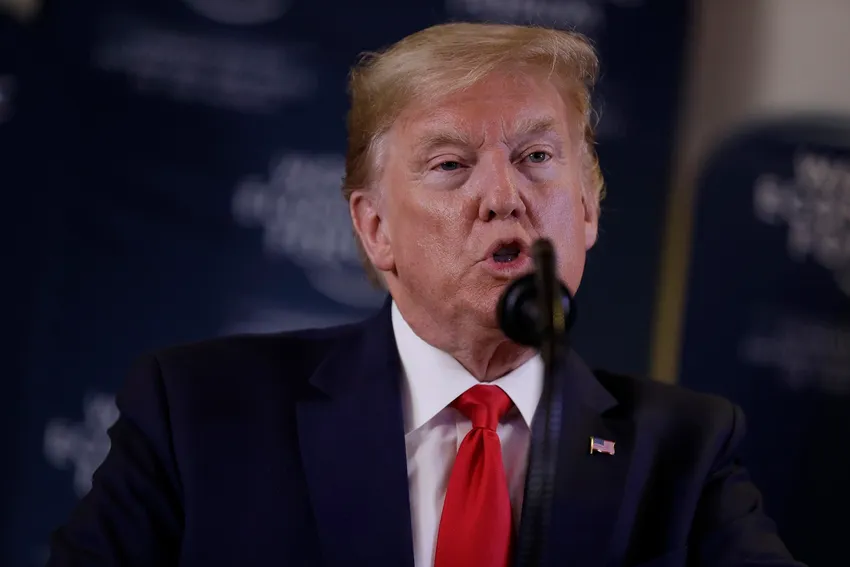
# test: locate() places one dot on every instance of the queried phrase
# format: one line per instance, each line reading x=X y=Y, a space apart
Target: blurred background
x=170 y=171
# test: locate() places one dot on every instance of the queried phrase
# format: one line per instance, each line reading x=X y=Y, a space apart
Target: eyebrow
x=533 y=127
x=526 y=128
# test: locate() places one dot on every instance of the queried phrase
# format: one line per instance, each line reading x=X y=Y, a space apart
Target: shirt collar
x=433 y=378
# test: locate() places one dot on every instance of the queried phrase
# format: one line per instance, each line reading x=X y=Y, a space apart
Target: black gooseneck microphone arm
x=537 y=310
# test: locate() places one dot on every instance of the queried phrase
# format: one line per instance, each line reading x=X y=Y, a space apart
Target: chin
x=484 y=305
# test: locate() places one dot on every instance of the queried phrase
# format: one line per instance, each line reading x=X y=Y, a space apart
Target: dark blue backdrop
x=768 y=318
x=172 y=169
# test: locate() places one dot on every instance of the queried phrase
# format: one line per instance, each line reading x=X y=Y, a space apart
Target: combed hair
x=447 y=58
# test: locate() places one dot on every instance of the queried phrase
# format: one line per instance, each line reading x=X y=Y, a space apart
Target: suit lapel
x=351 y=432
x=590 y=487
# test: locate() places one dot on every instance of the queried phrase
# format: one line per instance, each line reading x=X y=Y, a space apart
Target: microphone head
x=519 y=312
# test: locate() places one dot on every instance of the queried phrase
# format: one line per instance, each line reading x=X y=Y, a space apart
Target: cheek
x=561 y=218
x=429 y=227
x=560 y=211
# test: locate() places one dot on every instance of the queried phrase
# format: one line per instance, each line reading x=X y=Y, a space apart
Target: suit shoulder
x=298 y=352
x=657 y=401
x=634 y=391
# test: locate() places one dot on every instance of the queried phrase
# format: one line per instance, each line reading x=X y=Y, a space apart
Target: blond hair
x=446 y=58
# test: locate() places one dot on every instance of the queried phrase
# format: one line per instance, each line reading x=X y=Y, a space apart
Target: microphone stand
x=532 y=312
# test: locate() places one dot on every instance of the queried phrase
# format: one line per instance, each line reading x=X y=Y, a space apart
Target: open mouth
x=507 y=252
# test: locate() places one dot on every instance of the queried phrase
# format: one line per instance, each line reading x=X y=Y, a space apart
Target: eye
x=448 y=166
x=538 y=157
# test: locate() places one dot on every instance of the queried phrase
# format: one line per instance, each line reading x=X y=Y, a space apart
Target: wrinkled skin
x=500 y=160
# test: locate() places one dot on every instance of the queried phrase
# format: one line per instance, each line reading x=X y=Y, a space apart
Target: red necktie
x=476 y=525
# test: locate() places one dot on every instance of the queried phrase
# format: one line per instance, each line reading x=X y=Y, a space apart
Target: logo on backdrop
x=586 y=16
x=806 y=352
x=265 y=317
x=241 y=74
x=240 y=12
x=303 y=217
x=815 y=206
x=82 y=446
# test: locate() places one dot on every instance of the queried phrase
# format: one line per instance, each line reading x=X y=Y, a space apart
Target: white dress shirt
x=433 y=431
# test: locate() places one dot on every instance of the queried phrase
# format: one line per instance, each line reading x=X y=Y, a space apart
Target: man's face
x=467 y=184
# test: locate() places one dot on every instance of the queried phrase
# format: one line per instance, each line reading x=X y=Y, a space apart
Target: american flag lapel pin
x=599 y=445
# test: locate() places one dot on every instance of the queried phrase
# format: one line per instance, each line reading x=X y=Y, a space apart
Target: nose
x=501 y=198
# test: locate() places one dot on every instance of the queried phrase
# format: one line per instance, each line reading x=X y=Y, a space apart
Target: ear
x=591 y=222
x=371 y=228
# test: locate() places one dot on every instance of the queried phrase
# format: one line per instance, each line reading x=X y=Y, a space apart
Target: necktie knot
x=476 y=527
x=484 y=406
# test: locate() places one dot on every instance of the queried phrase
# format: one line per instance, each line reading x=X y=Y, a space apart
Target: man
x=403 y=440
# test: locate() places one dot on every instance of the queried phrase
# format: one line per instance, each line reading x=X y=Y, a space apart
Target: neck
x=483 y=350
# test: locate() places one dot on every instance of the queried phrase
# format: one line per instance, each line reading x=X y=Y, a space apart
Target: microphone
x=538 y=310
x=525 y=314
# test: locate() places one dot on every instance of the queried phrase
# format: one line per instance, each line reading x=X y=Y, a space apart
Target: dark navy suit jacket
x=289 y=450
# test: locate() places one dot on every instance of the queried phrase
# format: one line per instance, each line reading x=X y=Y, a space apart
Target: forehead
x=500 y=105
